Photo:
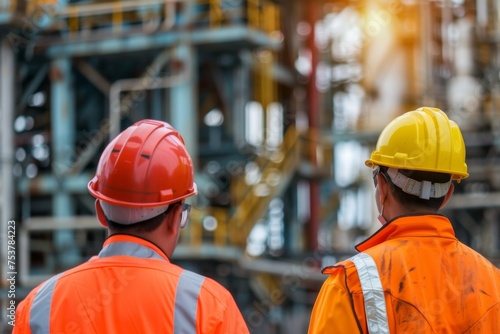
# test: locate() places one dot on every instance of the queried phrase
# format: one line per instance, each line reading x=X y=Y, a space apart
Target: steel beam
x=33 y=85
x=92 y=75
x=224 y=35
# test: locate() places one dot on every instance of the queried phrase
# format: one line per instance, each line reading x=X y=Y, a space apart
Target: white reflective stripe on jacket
x=373 y=293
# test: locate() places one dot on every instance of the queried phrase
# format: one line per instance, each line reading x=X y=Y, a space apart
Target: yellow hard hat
x=423 y=139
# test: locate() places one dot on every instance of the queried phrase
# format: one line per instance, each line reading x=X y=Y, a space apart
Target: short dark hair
x=411 y=202
x=145 y=226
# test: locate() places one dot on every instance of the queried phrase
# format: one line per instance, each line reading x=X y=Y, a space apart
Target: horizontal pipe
x=49 y=184
x=148 y=81
x=474 y=201
x=61 y=223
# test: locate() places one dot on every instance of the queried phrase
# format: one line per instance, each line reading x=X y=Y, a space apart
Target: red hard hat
x=145 y=166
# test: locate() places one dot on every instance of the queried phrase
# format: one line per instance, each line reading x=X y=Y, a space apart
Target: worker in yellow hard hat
x=412 y=275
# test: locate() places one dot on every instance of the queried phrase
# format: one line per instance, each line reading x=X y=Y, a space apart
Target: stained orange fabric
x=124 y=294
x=432 y=283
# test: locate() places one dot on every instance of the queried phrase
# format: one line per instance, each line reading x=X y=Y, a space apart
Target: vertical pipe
x=482 y=14
x=446 y=21
x=427 y=86
x=313 y=113
x=183 y=101
x=7 y=73
x=493 y=17
x=242 y=91
x=63 y=138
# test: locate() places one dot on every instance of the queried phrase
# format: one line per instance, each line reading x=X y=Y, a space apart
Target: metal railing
x=258 y=14
x=151 y=15
x=154 y=15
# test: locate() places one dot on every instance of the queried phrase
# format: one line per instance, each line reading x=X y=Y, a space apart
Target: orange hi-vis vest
x=130 y=287
x=413 y=276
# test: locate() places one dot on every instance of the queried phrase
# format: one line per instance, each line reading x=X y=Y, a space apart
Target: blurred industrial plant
x=280 y=102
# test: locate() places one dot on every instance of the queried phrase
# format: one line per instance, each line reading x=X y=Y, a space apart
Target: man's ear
x=448 y=195
x=100 y=213
x=383 y=188
x=172 y=223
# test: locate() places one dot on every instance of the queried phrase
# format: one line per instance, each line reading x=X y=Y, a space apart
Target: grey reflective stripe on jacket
x=40 y=308
x=373 y=293
x=186 y=302
x=186 y=296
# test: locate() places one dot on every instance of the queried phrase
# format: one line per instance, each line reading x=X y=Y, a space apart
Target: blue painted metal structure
x=102 y=43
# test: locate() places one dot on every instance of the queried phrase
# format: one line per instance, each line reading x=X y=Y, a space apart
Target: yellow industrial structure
x=279 y=102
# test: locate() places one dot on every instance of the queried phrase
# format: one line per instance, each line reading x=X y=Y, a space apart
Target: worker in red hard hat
x=413 y=275
x=142 y=181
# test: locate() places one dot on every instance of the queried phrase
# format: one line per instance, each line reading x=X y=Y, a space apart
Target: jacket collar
x=125 y=244
x=425 y=225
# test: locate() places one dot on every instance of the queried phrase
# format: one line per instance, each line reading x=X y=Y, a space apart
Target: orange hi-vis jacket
x=130 y=287
x=413 y=276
